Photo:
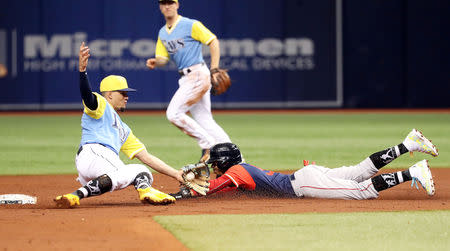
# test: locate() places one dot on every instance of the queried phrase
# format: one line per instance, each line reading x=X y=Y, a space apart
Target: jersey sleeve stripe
x=219 y=187
x=97 y=113
x=161 y=56
x=210 y=40
x=231 y=178
x=131 y=156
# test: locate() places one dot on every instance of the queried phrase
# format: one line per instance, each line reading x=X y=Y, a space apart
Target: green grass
x=425 y=230
x=47 y=144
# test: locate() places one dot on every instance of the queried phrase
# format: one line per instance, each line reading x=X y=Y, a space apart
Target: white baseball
x=190 y=176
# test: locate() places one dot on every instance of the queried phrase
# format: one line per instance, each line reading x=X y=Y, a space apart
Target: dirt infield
x=118 y=221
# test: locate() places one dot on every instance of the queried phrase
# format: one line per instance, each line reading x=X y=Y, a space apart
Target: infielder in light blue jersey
x=104 y=135
x=181 y=40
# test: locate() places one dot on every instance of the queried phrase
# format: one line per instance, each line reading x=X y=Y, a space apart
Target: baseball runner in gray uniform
x=348 y=182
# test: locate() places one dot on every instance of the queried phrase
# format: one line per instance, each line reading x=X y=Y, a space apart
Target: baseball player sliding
x=104 y=134
x=181 y=40
x=348 y=182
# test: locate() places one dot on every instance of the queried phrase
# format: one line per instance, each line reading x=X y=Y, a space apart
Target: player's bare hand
x=151 y=63
x=179 y=176
x=83 y=57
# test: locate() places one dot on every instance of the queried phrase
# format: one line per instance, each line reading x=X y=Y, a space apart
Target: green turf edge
x=405 y=230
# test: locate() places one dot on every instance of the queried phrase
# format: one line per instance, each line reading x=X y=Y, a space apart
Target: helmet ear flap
x=224 y=166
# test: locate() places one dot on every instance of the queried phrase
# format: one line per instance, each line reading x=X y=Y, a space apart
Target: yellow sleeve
x=201 y=33
x=161 y=50
x=132 y=146
x=97 y=113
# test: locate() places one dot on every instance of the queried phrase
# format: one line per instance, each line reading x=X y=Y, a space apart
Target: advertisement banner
x=280 y=54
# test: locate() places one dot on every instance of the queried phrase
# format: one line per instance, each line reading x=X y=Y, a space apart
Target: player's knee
x=204 y=119
x=105 y=183
x=172 y=116
x=99 y=185
x=143 y=180
x=138 y=169
x=175 y=118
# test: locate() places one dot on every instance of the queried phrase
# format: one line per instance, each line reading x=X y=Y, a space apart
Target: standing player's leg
x=179 y=106
x=201 y=112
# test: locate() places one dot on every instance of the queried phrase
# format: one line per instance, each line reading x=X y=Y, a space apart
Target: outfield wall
x=281 y=54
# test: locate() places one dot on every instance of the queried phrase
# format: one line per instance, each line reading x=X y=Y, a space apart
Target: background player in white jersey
x=104 y=134
x=181 y=40
x=313 y=181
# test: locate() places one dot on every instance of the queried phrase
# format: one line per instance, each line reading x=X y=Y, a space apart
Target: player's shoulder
x=247 y=165
x=98 y=95
x=188 y=20
x=162 y=30
x=236 y=169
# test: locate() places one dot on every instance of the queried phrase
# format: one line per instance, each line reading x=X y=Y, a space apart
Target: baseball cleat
x=152 y=196
x=416 y=142
x=420 y=172
x=67 y=201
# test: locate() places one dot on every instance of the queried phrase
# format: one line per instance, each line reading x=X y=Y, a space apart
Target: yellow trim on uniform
x=132 y=146
x=161 y=50
x=235 y=183
x=200 y=33
x=174 y=25
x=97 y=113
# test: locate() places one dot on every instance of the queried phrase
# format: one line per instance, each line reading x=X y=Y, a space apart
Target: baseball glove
x=196 y=177
x=223 y=81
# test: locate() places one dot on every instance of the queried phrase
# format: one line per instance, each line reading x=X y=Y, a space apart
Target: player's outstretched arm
x=85 y=88
x=158 y=165
x=223 y=184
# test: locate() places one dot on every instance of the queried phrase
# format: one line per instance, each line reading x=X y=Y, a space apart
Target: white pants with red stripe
x=193 y=95
x=347 y=182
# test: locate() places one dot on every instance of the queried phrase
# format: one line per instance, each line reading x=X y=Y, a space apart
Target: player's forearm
x=222 y=183
x=214 y=49
x=156 y=164
x=86 y=92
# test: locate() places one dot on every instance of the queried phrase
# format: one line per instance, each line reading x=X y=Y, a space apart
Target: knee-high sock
x=387 y=180
x=382 y=158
